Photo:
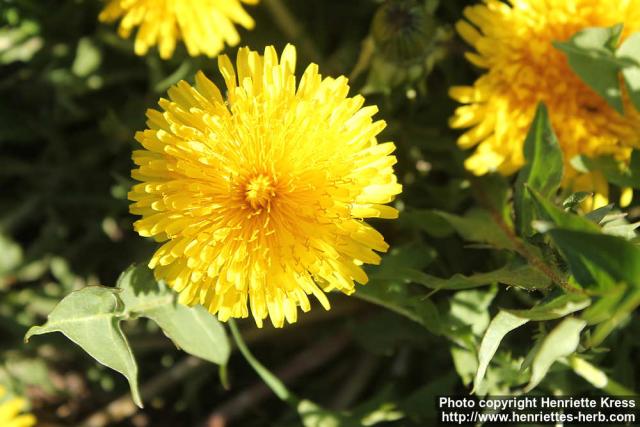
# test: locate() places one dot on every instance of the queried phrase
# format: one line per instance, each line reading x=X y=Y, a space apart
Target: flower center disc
x=260 y=191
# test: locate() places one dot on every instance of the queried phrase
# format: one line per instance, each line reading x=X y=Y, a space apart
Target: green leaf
x=602 y=308
x=615 y=224
x=597 y=215
x=574 y=200
x=11 y=257
x=465 y=363
x=500 y=325
x=471 y=308
x=193 y=329
x=513 y=274
x=543 y=169
x=313 y=415
x=88 y=58
x=91 y=318
x=478 y=225
x=494 y=193
x=594 y=258
x=550 y=212
x=428 y=221
x=591 y=57
x=562 y=341
x=630 y=50
x=388 y=288
x=623 y=309
x=396 y=297
x=538 y=339
x=555 y=308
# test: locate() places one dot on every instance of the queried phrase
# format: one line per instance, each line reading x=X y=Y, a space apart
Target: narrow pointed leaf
x=500 y=325
x=522 y=276
x=543 y=169
x=554 y=309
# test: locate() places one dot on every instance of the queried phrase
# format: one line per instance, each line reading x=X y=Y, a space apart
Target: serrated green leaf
x=597 y=258
x=478 y=225
x=518 y=275
x=630 y=50
x=591 y=57
x=91 y=318
x=542 y=171
x=193 y=329
x=562 y=341
x=500 y=325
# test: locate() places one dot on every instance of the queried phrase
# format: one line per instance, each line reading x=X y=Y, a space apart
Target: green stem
x=274 y=383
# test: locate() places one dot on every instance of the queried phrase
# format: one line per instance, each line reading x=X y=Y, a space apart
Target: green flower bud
x=403 y=30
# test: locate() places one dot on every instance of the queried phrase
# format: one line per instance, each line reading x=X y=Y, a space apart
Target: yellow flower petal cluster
x=10 y=415
x=513 y=42
x=204 y=25
x=260 y=196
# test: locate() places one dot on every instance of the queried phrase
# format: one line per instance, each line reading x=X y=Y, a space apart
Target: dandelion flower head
x=513 y=42
x=259 y=197
x=204 y=25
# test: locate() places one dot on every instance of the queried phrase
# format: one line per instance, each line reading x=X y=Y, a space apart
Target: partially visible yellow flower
x=514 y=43
x=10 y=415
x=260 y=197
x=204 y=25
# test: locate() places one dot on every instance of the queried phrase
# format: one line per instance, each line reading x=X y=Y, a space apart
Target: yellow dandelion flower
x=10 y=415
x=204 y=25
x=260 y=197
x=514 y=43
